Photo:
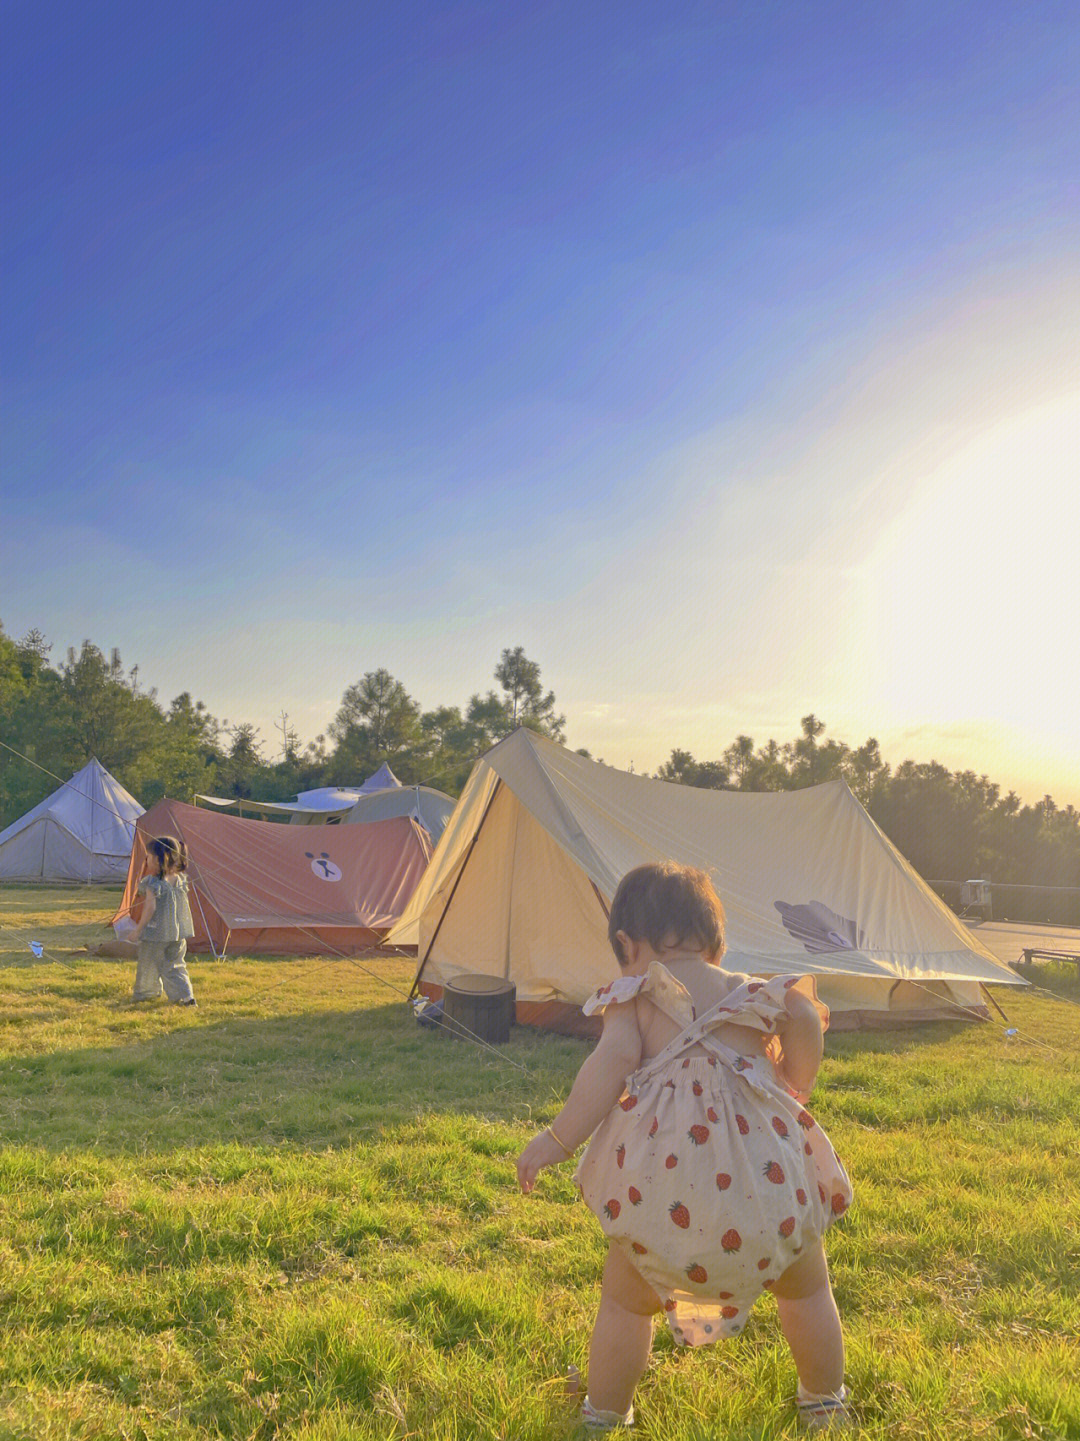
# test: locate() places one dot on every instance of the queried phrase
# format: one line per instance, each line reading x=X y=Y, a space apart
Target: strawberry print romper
x=708 y=1173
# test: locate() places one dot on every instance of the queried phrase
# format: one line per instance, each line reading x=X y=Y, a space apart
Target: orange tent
x=265 y=888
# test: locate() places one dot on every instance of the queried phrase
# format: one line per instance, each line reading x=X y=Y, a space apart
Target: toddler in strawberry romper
x=706 y=1171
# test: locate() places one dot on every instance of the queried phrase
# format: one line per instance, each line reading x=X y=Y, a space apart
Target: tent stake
x=465 y=862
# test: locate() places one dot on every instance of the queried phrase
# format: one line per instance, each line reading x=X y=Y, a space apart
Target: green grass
x=292 y=1214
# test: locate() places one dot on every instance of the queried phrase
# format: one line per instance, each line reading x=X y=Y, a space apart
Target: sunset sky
x=723 y=356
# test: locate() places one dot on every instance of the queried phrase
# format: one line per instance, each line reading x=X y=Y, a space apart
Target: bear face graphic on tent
x=323 y=866
x=819 y=928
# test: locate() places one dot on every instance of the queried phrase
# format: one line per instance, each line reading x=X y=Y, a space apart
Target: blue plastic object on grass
x=430 y=1014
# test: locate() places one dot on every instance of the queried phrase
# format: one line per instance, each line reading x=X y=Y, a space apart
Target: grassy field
x=292 y=1214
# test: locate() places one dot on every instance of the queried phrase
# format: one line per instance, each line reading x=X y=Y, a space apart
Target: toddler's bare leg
x=622 y=1335
x=811 y=1322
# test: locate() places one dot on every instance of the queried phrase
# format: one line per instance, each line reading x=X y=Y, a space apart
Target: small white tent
x=382 y=797
x=326 y=800
x=521 y=882
x=82 y=832
x=340 y=798
x=430 y=808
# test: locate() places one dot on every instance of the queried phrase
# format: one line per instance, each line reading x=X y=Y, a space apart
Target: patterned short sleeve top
x=171 y=920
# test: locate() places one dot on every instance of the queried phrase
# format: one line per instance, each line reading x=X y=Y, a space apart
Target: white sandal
x=596 y=1420
x=824 y=1413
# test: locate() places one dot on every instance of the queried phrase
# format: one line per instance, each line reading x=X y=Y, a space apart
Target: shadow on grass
x=75 y=952
x=159 y=1079
x=314 y=1081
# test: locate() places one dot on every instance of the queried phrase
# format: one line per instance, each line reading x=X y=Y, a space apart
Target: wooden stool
x=480 y=1006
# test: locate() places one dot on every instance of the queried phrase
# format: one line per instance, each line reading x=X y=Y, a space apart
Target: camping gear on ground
x=428 y=1013
x=520 y=884
x=115 y=950
x=479 y=1006
x=82 y=832
x=258 y=888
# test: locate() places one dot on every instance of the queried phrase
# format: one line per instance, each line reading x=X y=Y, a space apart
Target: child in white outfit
x=709 y=1176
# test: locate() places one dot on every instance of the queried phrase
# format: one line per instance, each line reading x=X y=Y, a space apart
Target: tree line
x=951 y=825
x=89 y=704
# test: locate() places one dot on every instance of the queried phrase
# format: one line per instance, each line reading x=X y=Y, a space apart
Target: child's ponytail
x=171 y=853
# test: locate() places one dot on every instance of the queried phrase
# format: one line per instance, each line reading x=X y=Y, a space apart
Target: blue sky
x=701 y=349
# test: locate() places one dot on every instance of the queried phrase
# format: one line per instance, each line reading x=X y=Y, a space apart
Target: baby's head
x=168 y=854
x=669 y=906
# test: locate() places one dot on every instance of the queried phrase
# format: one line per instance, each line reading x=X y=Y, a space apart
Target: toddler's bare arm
x=802 y=1044
x=149 y=906
x=598 y=1086
x=600 y=1081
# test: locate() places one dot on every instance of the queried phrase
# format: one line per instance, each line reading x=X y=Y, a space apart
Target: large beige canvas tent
x=82 y=832
x=520 y=884
x=261 y=888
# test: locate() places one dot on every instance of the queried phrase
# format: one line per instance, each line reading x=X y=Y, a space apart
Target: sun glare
x=978 y=610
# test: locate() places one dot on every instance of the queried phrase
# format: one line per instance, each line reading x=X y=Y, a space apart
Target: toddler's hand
x=543 y=1150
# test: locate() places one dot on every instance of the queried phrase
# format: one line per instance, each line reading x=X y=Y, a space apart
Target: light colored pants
x=161 y=964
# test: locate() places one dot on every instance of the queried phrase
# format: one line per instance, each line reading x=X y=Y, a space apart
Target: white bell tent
x=82 y=832
x=520 y=885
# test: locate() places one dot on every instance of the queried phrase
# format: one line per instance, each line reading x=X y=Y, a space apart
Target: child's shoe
x=191 y=1001
x=824 y=1413
x=595 y=1420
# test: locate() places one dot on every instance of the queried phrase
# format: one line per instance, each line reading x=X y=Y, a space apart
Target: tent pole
x=986 y=992
x=209 y=937
x=510 y=899
x=206 y=928
x=461 y=872
x=599 y=897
